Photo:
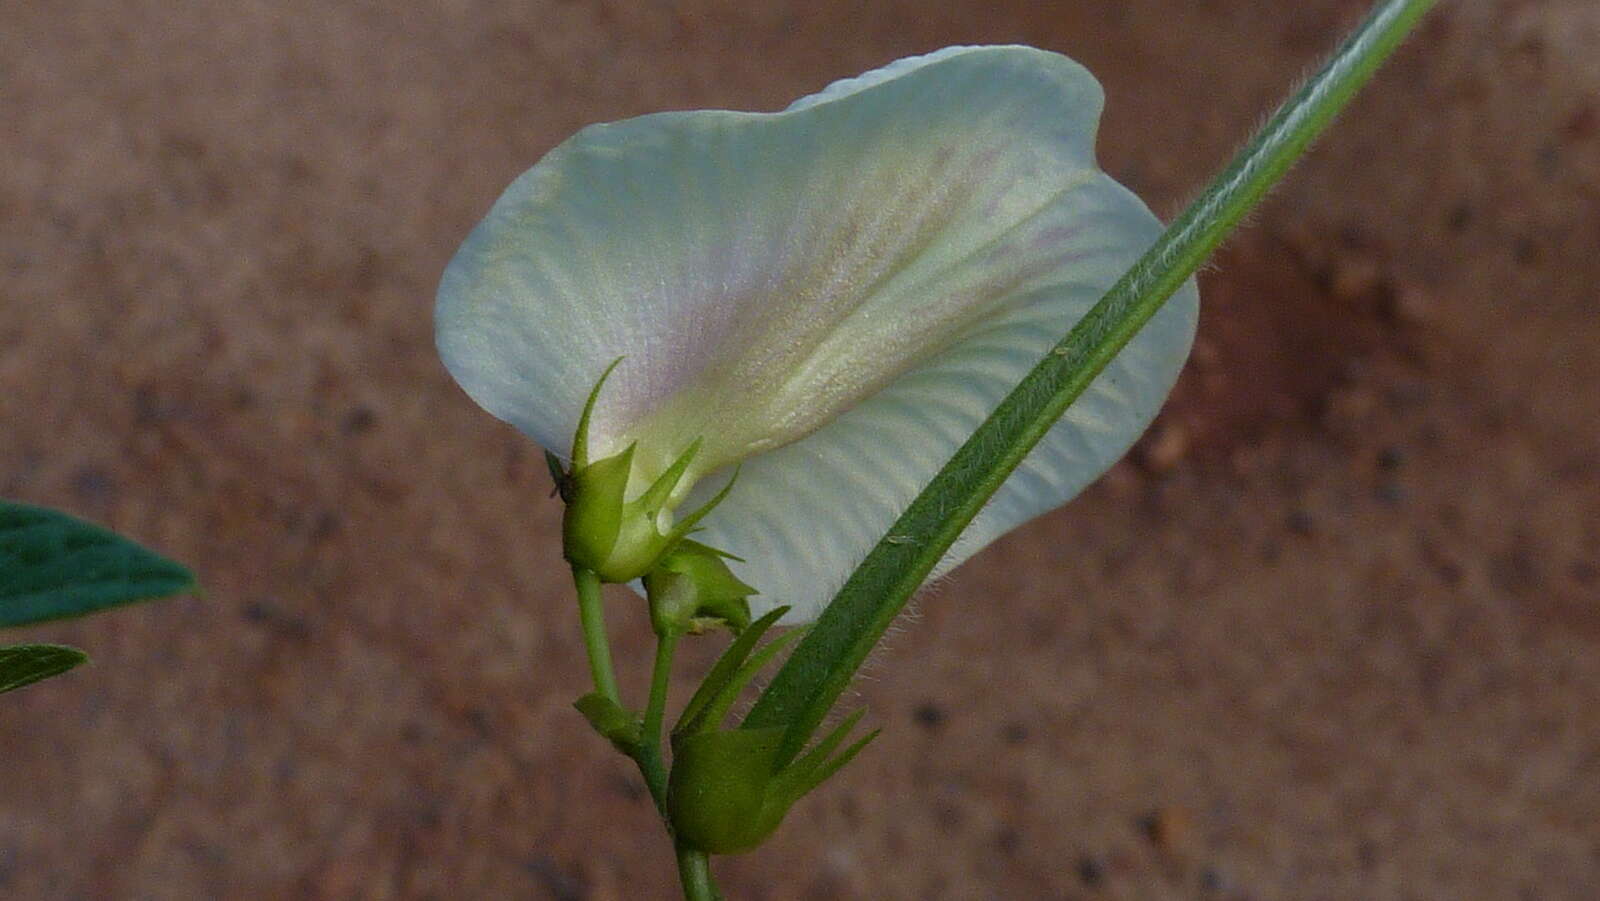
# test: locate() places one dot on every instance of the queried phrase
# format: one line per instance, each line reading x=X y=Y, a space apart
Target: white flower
x=836 y=295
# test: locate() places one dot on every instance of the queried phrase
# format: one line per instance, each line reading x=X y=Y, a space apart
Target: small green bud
x=691 y=589
x=722 y=796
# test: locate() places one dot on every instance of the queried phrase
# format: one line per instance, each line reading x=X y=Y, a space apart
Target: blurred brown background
x=1333 y=632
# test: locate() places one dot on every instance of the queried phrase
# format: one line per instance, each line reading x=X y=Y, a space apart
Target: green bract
x=730 y=788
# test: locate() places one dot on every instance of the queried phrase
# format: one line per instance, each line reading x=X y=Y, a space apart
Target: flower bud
x=726 y=795
x=692 y=589
x=722 y=796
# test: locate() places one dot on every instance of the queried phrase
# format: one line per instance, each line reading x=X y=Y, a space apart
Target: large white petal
x=803 y=516
x=900 y=248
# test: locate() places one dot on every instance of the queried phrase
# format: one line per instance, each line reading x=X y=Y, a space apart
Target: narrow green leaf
x=53 y=565
x=803 y=691
x=25 y=664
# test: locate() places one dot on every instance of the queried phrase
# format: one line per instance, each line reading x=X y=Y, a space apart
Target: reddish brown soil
x=1333 y=633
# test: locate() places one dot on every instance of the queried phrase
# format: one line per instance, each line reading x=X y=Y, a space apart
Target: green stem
x=807 y=686
x=594 y=633
x=649 y=755
x=694 y=868
x=694 y=872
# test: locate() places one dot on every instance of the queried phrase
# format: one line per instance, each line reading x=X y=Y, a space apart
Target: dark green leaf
x=53 y=565
x=25 y=664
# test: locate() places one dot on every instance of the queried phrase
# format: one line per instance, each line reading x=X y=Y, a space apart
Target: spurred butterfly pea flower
x=832 y=297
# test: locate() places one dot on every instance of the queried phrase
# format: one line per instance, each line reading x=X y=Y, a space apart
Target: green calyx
x=604 y=531
x=691 y=589
x=728 y=790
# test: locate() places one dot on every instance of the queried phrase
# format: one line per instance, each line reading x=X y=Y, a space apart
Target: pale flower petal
x=836 y=294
